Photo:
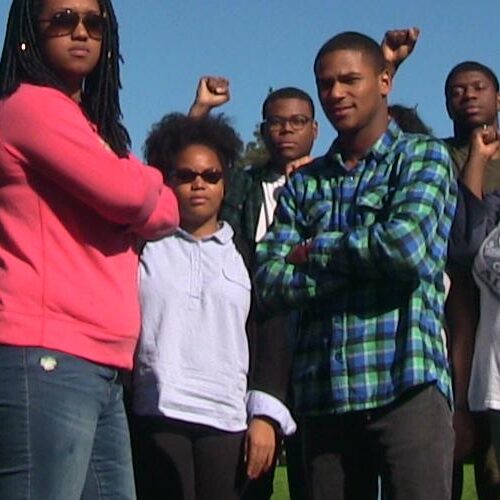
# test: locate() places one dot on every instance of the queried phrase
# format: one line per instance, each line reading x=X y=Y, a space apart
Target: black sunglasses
x=66 y=21
x=185 y=175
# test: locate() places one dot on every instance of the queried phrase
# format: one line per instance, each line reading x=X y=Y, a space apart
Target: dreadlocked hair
x=22 y=62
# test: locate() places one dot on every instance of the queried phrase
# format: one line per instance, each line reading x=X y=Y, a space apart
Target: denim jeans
x=63 y=429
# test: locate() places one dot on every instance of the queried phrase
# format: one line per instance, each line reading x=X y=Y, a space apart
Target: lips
x=472 y=110
x=79 y=51
x=339 y=112
x=286 y=144
x=198 y=200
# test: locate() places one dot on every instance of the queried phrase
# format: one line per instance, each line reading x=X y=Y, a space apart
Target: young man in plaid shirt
x=359 y=244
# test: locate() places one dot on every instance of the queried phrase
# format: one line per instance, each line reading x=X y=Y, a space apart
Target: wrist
x=477 y=160
x=269 y=420
x=199 y=110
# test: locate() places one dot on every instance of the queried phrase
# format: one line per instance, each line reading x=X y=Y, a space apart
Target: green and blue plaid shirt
x=372 y=292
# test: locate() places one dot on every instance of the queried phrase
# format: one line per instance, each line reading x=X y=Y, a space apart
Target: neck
x=76 y=96
x=279 y=165
x=355 y=145
x=198 y=229
x=73 y=89
x=463 y=135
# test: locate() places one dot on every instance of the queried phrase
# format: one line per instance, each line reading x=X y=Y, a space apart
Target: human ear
x=385 y=83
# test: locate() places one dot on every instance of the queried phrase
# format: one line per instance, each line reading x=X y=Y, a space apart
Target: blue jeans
x=63 y=429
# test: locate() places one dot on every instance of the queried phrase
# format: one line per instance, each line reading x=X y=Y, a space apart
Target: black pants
x=295 y=465
x=486 y=469
x=408 y=443
x=176 y=460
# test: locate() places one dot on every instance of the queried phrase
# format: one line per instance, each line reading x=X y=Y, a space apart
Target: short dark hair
x=352 y=40
x=22 y=61
x=287 y=93
x=176 y=131
x=470 y=66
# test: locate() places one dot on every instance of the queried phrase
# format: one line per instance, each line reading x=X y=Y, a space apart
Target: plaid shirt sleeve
x=282 y=285
x=398 y=247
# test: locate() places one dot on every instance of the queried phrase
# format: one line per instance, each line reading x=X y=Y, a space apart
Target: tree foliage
x=255 y=152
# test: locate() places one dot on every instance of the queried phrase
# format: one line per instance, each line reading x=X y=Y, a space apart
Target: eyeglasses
x=297 y=122
x=186 y=175
x=66 y=21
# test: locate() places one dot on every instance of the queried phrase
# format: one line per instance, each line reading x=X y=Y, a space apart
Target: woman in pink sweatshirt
x=73 y=203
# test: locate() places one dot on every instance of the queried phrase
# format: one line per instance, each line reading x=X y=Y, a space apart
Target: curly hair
x=22 y=61
x=408 y=119
x=176 y=131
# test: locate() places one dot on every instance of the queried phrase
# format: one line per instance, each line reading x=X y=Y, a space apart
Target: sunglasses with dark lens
x=186 y=175
x=297 y=122
x=66 y=21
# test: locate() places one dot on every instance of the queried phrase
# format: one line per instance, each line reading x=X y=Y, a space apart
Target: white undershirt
x=271 y=191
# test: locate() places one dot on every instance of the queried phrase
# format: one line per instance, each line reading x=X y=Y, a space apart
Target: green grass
x=469 y=491
x=281 y=485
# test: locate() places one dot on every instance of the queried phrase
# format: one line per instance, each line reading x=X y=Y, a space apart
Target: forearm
x=408 y=236
x=198 y=110
x=49 y=134
x=284 y=286
x=461 y=319
x=470 y=227
x=473 y=175
x=163 y=220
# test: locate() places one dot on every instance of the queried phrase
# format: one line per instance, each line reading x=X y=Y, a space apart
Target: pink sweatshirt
x=70 y=215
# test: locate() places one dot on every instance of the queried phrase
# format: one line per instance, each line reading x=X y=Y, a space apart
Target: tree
x=255 y=152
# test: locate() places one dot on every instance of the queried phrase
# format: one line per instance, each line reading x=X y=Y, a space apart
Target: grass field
x=281 y=486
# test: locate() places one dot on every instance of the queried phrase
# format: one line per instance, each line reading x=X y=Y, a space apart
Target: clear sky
x=257 y=44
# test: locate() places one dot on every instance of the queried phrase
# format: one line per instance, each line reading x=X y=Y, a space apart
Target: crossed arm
x=395 y=248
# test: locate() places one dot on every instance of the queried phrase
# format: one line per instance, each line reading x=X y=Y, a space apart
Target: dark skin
x=472 y=101
x=74 y=56
x=199 y=205
x=213 y=91
x=289 y=149
x=473 y=105
x=353 y=92
x=353 y=95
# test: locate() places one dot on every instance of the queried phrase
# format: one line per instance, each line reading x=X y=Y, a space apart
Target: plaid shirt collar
x=268 y=173
x=383 y=145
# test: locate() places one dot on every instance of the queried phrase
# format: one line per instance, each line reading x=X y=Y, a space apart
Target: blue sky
x=257 y=44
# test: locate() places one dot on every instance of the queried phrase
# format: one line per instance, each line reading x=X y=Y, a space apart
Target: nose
x=80 y=32
x=286 y=126
x=470 y=92
x=336 y=91
x=198 y=183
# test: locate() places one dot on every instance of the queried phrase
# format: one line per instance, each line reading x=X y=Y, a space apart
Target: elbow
x=142 y=204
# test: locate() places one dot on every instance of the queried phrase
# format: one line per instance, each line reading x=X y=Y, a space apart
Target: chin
x=344 y=128
x=473 y=123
